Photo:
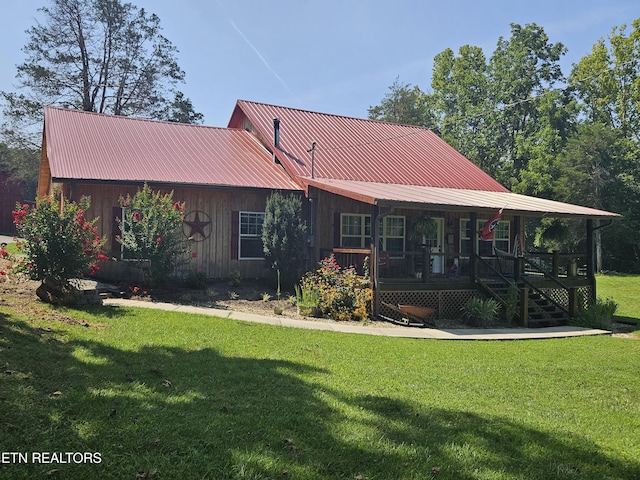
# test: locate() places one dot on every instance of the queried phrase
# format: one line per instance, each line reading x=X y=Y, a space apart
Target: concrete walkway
x=405 y=332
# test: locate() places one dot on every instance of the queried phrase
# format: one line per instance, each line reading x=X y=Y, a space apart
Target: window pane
x=251 y=223
x=485 y=249
x=394 y=227
x=251 y=248
x=395 y=245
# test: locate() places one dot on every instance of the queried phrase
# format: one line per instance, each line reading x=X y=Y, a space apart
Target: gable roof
x=96 y=147
x=387 y=164
x=364 y=150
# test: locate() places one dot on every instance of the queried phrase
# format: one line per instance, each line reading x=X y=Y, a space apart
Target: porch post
x=518 y=265
x=373 y=259
x=474 y=245
x=590 y=266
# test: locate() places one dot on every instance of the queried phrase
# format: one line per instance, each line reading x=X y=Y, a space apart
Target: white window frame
x=248 y=235
x=501 y=234
x=365 y=237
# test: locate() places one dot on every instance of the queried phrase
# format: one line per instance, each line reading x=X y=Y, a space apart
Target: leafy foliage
x=58 y=243
x=99 y=56
x=152 y=233
x=481 y=311
x=283 y=234
x=343 y=294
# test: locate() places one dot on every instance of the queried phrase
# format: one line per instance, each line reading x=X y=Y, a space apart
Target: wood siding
x=214 y=255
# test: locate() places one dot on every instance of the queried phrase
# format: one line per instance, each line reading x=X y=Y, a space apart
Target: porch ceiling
x=415 y=196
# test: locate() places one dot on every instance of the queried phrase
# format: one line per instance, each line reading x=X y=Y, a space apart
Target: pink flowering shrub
x=152 y=232
x=343 y=294
x=58 y=244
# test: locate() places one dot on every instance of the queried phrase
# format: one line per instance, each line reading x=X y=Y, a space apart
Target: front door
x=435 y=244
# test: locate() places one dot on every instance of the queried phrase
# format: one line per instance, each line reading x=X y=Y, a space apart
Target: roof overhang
x=450 y=199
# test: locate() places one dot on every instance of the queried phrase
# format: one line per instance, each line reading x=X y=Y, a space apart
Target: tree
x=283 y=232
x=460 y=100
x=607 y=81
x=59 y=243
x=607 y=150
x=152 y=232
x=99 y=56
x=22 y=165
x=402 y=104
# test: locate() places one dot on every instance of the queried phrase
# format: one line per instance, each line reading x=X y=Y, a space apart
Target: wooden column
x=373 y=259
x=590 y=265
x=474 y=245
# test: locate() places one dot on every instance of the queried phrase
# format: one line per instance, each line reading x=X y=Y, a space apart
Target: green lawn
x=625 y=290
x=173 y=396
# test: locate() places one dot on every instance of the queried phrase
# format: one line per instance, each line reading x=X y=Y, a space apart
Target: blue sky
x=332 y=56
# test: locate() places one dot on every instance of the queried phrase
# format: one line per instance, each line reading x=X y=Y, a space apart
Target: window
x=355 y=232
x=501 y=236
x=250 y=244
x=392 y=234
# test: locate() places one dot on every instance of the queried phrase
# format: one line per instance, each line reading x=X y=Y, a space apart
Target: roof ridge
x=141 y=119
x=304 y=110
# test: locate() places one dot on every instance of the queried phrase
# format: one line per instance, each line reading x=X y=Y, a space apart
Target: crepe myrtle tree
x=283 y=233
x=59 y=244
x=151 y=232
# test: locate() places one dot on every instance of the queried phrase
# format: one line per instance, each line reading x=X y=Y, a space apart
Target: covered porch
x=450 y=265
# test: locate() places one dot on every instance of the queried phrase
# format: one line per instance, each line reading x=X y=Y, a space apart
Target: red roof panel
x=91 y=146
x=418 y=196
x=365 y=150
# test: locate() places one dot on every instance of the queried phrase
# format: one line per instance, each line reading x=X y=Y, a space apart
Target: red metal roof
x=385 y=194
x=365 y=150
x=91 y=146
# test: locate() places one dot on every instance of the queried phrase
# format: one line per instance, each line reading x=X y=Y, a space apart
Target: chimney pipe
x=276 y=132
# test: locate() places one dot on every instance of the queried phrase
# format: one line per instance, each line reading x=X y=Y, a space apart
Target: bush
x=283 y=234
x=481 y=312
x=152 y=232
x=59 y=244
x=343 y=294
x=599 y=315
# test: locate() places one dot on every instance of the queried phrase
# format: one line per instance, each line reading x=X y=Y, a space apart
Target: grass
x=624 y=290
x=12 y=248
x=167 y=395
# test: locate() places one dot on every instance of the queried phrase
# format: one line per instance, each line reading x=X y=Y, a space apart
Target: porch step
x=543 y=313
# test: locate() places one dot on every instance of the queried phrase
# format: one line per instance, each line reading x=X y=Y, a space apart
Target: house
x=366 y=185
x=223 y=175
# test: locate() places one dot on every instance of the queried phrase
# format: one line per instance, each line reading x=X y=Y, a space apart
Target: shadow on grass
x=198 y=414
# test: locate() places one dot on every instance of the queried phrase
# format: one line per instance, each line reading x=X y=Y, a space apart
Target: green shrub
x=196 y=279
x=283 y=233
x=481 y=312
x=599 y=315
x=343 y=294
x=59 y=243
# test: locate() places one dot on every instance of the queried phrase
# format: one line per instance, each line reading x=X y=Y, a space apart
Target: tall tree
x=403 y=103
x=95 y=55
x=522 y=70
x=607 y=81
x=460 y=100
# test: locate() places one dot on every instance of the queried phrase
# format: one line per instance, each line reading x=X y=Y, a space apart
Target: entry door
x=435 y=243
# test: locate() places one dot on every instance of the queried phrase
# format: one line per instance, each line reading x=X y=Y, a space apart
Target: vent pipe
x=276 y=132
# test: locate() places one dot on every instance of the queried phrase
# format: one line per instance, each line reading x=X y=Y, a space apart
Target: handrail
x=546 y=275
x=545 y=296
x=491 y=267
